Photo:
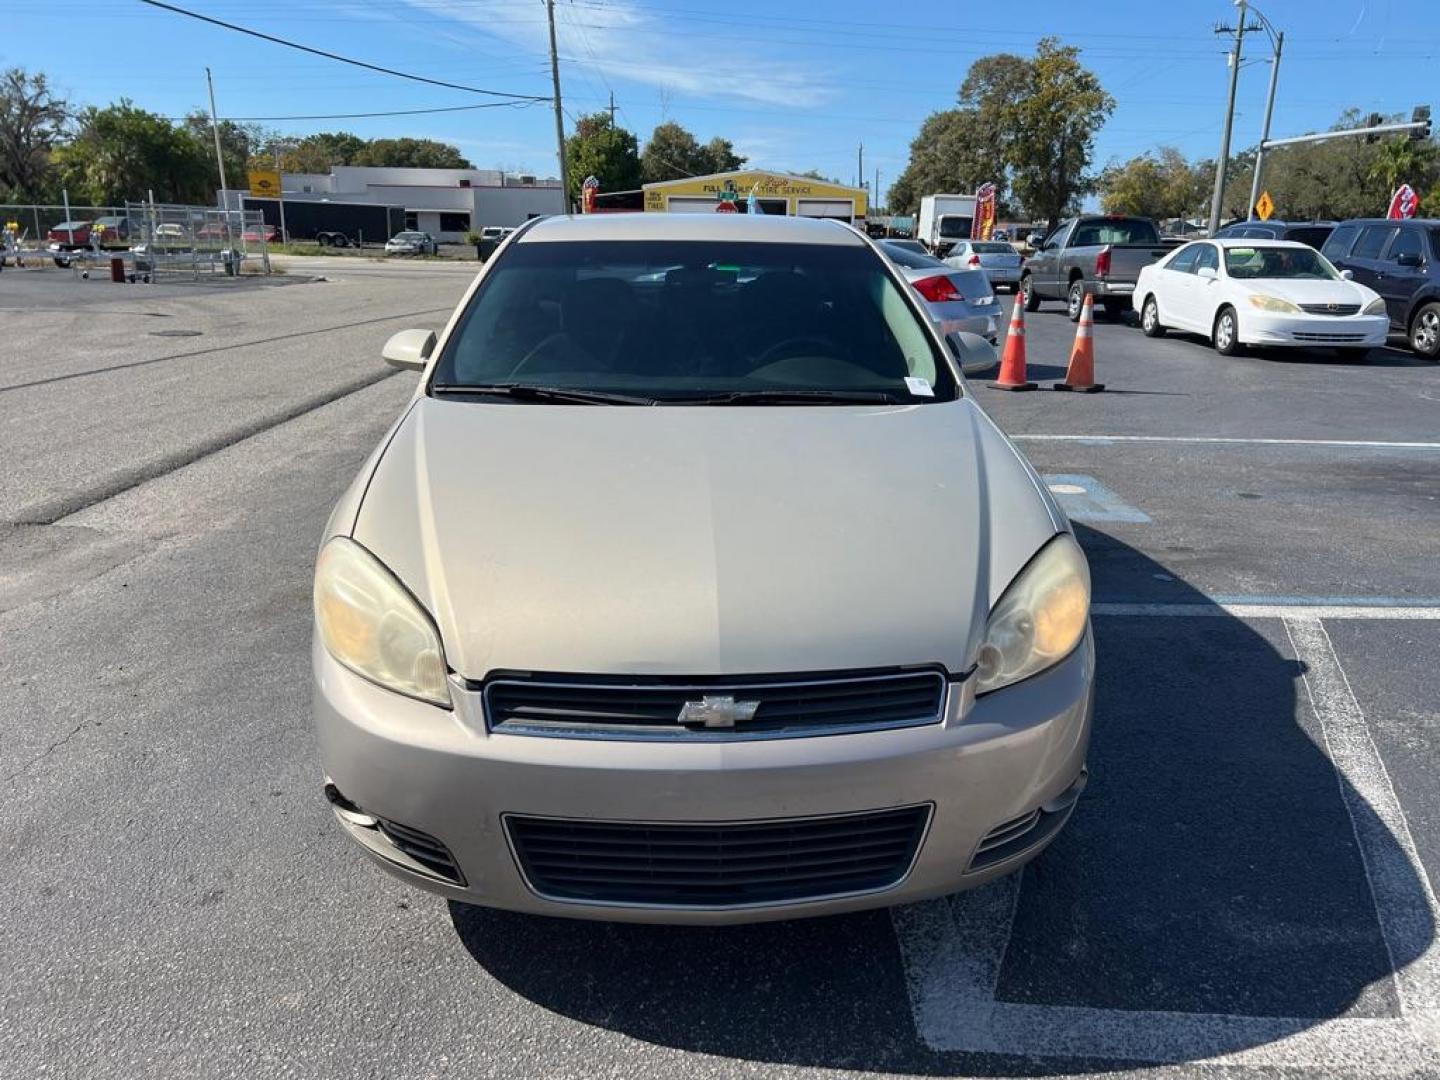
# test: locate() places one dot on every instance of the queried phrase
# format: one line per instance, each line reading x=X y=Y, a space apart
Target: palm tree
x=1399 y=160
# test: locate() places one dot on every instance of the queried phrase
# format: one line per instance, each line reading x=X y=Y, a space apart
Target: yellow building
x=797 y=196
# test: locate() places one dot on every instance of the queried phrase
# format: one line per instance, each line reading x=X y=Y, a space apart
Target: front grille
x=424 y=849
x=1331 y=309
x=731 y=864
x=582 y=707
x=1330 y=339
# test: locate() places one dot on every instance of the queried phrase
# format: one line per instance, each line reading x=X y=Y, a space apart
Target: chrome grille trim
x=585 y=707
x=1331 y=309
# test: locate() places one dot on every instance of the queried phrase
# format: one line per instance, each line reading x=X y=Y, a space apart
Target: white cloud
x=623 y=42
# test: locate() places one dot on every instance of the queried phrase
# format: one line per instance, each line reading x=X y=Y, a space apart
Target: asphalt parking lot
x=1245 y=889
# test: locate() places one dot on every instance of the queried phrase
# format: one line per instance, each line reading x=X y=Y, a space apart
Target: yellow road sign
x=1265 y=207
x=265 y=183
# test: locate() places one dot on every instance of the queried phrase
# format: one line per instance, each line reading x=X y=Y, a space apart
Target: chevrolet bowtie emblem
x=718 y=711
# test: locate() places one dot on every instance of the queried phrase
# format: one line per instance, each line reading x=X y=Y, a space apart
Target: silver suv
x=693 y=586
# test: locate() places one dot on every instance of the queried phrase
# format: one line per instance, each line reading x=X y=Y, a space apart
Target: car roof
x=1250 y=242
x=1391 y=221
x=761 y=228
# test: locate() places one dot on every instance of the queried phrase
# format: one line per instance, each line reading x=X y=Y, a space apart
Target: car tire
x=1075 y=299
x=1150 y=322
x=1225 y=335
x=1027 y=289
x=1425 y=331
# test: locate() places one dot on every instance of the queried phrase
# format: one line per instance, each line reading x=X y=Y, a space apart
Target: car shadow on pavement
x=1212 y=867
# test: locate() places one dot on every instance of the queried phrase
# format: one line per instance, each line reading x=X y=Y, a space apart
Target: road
x=1245 y=889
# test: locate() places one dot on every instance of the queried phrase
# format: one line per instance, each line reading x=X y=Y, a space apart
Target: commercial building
x=447 y=203
x=777 y=193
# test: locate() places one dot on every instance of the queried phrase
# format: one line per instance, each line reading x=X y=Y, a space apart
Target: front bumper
x=1311 y=331
x=989 y=762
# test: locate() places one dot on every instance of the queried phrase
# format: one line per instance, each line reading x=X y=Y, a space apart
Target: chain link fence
x=152 y=241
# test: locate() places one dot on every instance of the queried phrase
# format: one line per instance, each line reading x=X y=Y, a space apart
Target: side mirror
x=1408 y=258
x=1207 y=272
x=1347 y=275
x=1035 y=239
x=409 y=349
x=973 y=351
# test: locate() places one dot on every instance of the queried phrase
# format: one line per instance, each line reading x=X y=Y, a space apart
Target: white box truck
x=943 y=220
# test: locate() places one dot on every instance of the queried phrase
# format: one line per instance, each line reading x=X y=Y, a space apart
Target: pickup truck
x=1101 y=255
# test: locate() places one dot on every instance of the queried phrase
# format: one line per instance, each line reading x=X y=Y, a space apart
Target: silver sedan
x=1000 y=261
x=959 y=300
x=692 y=586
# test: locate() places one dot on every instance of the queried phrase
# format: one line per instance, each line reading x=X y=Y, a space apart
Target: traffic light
x=1420 y=115
x=1373 y=120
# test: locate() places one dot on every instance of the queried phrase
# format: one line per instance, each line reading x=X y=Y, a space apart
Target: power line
x=367 y=115
x=336 y=56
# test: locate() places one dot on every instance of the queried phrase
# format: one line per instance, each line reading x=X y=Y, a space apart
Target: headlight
x=1039 y=620
x=372 y=625
x=1376 y=306
x=1274 y=303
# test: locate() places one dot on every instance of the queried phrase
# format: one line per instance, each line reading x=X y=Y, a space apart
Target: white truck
x=944 y=220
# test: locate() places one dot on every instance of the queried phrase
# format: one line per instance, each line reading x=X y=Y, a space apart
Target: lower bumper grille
x=1330 y=339
x=717 y=865
x=424 y=849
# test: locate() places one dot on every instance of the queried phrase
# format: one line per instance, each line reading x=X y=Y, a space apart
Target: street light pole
x=559 y=112
x=1223 y=162
x=1265 y=134
x=219 y=157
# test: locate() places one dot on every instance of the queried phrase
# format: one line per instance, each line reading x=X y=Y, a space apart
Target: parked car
x=1313 y=233
x=669 y=661
x=111 y=232
x=1101 y=255
x=958 y=300
x=998 y=259
x=411 y=242
x=1263 y=293
x=69 y=236
x=214 y=232
x=256 y=234
x=906 y=245
x=1400 y=260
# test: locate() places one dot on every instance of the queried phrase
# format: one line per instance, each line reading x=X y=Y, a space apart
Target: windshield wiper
x=529 y=392
x=792 y=397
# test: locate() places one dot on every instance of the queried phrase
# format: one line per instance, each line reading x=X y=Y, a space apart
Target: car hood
x=1311 y=291
x=703 y=540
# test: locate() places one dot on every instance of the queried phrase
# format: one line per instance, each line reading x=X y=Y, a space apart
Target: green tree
x=122 y=152
x=410 y=154
x=321 y=152
x=1402 y=161
x=956 y=151
x=31 y=119
x=1046 y=111
x=718 y=155
x=1163 y=185
x=238 y=143
x=671 y=153
x=600 y=149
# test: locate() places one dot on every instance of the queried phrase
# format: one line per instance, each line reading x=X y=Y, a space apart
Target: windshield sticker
x=918 y=387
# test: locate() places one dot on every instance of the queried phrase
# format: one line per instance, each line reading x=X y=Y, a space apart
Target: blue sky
x=795 y=85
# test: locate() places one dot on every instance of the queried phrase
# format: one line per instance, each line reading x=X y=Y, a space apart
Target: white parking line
x=1101 y=440
x=1247 y=610
x=953 y=948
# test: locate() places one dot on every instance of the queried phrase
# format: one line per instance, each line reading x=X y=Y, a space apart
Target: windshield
x=406 y=236
x=1277 y=262
x=671 y=321
x=954 y=227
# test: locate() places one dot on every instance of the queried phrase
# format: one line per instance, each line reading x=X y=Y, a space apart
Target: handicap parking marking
x=1083 y=498
x=953 y=948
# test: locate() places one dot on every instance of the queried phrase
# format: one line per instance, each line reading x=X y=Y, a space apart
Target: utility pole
x=875 y=192
x=219 y=157
x=860 y=166
x=559 y=113
x=1223 y=161
x=280 y=196
x=612 y=108
x=1265 y=134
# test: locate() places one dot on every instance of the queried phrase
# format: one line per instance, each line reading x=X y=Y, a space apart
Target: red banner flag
x=1403 y=203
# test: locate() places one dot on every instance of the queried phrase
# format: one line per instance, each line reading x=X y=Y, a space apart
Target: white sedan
x=1266 y=293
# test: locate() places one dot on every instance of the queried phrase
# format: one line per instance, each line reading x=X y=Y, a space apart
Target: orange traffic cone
x=1012 y=361
x=1080 y=375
